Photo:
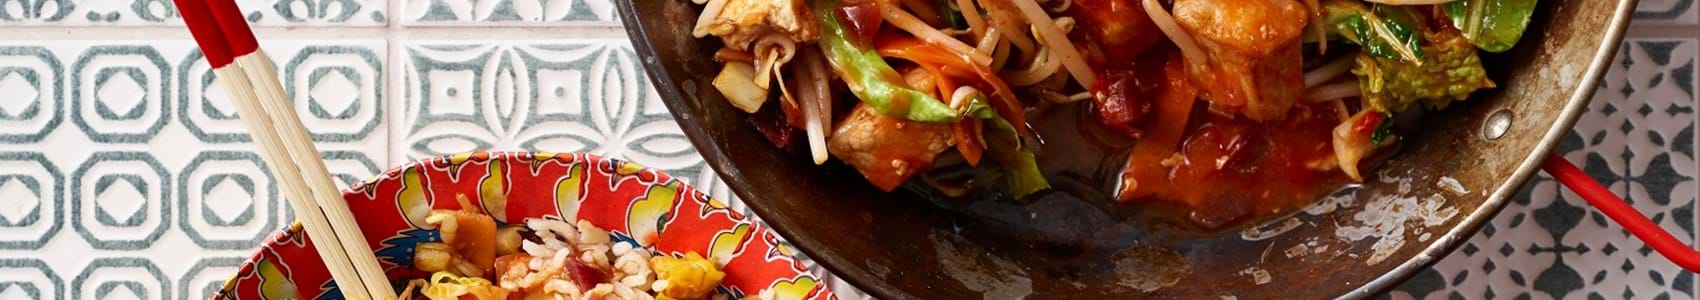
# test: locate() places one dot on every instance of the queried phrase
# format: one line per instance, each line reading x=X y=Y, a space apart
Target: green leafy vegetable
x=871 y=79
x=1391 y=32
x=1003 y=145
x=1493 y=25
x=1382 y=129
x=1450 y=72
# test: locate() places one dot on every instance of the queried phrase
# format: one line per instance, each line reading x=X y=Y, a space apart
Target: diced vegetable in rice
x=550 y=259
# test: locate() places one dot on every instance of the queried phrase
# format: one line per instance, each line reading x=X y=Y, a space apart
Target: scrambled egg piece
x=689 y=277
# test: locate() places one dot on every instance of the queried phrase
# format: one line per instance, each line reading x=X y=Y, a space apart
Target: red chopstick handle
x=234 y=25
x=1622 y=213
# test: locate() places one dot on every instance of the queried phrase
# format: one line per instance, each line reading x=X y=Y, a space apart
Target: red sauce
x=1231 y=168
x=1215 y=169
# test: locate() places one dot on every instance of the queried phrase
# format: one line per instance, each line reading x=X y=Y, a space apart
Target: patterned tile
x=1637 y=138
x=431 y=12
x=1666 y=12
x=152 y=160
x=572 y=96
x=163 y=12
x=28 y=278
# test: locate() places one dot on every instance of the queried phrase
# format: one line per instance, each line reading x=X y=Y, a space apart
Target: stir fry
x=1209 y=92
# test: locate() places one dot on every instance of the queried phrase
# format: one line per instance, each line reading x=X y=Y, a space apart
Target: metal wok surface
x=1353 y=244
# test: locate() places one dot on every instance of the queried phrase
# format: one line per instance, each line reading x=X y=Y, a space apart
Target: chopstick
x=247 y=75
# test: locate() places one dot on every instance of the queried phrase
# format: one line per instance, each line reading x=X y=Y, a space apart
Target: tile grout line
x=1690 y=31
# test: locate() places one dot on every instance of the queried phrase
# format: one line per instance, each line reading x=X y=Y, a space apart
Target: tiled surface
x=430 y=12
x=123 y=172
x=120 y=161
x=1666 y=12
x=1637 y=138
x=163 y=12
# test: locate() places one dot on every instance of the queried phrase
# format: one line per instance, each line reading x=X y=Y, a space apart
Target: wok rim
x=638 y=34
x=1579 y=99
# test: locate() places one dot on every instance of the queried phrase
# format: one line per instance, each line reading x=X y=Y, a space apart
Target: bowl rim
x=294 y=227
x=1578 y=100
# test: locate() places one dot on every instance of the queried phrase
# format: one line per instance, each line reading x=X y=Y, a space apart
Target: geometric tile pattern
x=1666 y=12
x=164 y=13
x=124 y=156
x=441 y=12
x=1637 y=138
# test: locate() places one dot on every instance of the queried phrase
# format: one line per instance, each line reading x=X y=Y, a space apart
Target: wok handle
x=1620 y=212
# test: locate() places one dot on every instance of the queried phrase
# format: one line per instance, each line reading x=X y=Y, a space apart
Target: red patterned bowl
x=636 y=204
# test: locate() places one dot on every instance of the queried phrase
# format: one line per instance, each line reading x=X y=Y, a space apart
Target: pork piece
x=742 y=22
x=1255 y=65
x=887 y=150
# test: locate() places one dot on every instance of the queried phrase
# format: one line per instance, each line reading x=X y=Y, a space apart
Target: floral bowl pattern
x=635 y=204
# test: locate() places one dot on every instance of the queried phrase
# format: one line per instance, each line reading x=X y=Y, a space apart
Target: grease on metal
x=992 y=276
x=1388 y=219
x=1345 y=197
x=1452 y=184
x=1270 y=229
x=1150 y=268
x=1259 y=276
x=1310 y=246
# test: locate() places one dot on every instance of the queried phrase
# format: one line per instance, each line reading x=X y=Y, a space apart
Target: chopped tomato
x=1369 y=123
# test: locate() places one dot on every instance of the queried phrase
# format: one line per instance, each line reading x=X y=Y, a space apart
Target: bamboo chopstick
x=259 y=69
x=245 y=71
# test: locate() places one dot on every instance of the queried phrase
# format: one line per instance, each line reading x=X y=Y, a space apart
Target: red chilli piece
x=1369 y=123
x=206 y=32
x=235 y=27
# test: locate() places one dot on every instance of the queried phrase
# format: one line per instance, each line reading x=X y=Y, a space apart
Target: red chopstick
x=245 y=71
x=1620 y=212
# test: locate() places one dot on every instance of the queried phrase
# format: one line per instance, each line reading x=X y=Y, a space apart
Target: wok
x=1452 y=177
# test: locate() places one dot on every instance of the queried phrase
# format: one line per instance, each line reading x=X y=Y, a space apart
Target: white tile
x=474 y=12
x=164 y=12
